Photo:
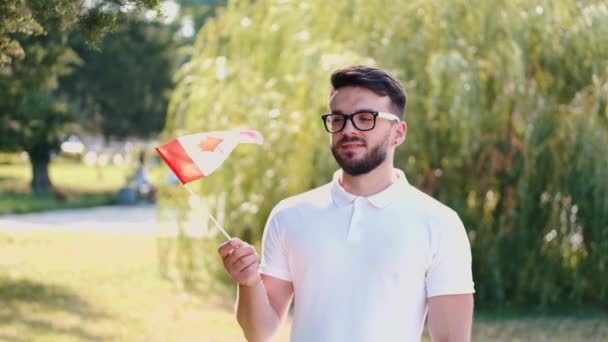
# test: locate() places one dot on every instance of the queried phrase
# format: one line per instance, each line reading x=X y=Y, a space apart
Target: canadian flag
x=197 y=155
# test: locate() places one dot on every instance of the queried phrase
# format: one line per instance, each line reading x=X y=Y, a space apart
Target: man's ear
x=400 y=133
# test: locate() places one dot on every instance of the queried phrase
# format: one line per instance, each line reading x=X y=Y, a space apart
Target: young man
x=366 y=256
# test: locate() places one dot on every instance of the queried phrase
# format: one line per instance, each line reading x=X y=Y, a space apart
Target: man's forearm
x=450 y=318
x=255 y=314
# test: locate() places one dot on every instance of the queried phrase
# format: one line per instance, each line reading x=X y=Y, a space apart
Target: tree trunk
x=40 y=156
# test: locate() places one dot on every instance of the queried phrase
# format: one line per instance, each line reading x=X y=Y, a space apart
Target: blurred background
x=508 y=125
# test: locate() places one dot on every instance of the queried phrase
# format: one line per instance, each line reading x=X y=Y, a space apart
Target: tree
x=20 y=19
x=508 y=122
x=34 y=54
x=123 y=88
x=34 y=117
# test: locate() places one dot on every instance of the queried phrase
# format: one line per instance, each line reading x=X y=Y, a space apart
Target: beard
x=354 y=167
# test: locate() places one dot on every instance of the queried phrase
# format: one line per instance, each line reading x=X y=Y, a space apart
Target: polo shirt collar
x=342 y=198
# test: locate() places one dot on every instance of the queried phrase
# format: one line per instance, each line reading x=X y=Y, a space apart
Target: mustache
x=348 y=139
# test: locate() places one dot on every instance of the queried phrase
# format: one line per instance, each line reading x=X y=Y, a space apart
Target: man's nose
x=349 y=126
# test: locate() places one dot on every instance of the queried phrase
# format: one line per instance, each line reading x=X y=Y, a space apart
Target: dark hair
x=376 y=80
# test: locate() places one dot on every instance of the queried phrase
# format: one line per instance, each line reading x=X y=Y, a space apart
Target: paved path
x=139 y=220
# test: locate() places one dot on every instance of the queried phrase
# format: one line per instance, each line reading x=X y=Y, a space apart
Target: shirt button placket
x=354 y=231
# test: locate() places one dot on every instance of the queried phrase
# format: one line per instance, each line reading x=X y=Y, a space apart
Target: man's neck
x=370 y=183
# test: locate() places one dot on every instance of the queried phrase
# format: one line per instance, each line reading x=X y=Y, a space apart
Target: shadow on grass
x=42 y=309
x=20 y=203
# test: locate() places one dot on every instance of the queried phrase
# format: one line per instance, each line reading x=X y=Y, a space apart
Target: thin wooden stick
x=208 y=212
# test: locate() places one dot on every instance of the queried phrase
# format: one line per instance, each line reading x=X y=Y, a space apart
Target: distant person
x=143 y=180
x=366 y=256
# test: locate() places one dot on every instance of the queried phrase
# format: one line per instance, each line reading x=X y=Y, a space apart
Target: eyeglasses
x=363 y=121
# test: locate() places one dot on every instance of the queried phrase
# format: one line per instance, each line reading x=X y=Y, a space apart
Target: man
x=367 y=255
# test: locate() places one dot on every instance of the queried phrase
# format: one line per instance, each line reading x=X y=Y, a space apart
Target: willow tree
x=508 y=125
x=507 y=122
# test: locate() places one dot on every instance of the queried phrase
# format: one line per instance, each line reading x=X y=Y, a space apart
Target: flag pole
x=219 y=226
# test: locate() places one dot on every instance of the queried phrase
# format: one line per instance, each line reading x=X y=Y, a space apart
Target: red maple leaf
x=209 y=144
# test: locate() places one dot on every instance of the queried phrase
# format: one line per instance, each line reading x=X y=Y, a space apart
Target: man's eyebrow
x=357 y=111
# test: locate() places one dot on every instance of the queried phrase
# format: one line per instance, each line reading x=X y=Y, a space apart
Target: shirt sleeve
x=450 y=270
x=274 y=252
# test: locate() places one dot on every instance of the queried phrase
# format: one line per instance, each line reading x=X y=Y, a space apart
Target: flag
x=197 y=155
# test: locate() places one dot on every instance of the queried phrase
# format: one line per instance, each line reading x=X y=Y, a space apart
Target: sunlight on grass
x=82 y=185
x=89 y=178
x=68 y=175
x=77 y=286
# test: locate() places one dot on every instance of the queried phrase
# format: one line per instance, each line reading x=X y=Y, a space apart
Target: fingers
x=238 y=253
x=241 y=261
x=249 y=275
x=251 y=270
x=227 y=247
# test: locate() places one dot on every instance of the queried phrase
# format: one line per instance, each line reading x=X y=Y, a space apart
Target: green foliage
x=34 y=55
x=199 y=10
x=507 y=115
x=122 y=89
x=34 y=117
x=21 y=19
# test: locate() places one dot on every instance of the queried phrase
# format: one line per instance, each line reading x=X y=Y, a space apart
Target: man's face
x=359 y=152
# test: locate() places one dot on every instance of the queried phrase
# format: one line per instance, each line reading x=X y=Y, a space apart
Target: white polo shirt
x=363 y=267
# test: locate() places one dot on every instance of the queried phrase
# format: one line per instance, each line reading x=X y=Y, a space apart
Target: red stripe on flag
x=179 y=161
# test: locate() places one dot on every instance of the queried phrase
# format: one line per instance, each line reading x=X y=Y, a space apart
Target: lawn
x=83 y=185
x=76 y=286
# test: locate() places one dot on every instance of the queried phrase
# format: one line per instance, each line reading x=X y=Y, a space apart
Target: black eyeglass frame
x=384 y=115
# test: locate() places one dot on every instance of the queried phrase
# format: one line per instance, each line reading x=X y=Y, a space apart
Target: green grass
x=70 y=286
x=19 y=203
x=75 y=286
x=84 y=186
